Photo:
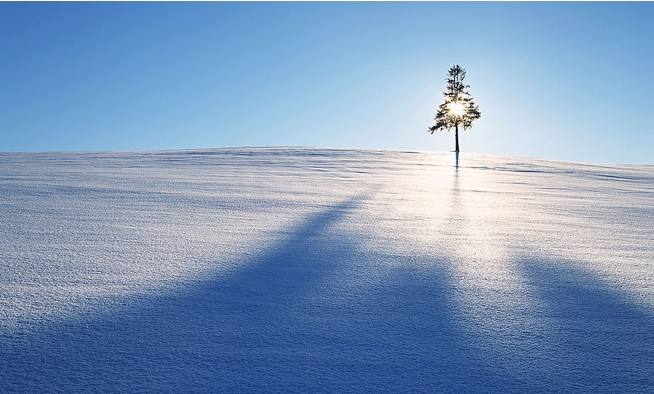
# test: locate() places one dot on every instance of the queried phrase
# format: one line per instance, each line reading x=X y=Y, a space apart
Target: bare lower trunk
x=456 y=137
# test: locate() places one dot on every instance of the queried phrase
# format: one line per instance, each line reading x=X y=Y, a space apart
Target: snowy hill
x=287 y=269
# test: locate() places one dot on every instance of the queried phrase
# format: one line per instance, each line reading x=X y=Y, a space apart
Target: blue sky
x=564 y=81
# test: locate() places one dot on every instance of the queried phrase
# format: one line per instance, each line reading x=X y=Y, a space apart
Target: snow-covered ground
x=324 y=270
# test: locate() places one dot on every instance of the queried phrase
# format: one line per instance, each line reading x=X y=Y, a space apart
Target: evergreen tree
x=458 y=107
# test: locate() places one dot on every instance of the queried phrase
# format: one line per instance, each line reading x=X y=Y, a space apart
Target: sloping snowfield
x=324 y=270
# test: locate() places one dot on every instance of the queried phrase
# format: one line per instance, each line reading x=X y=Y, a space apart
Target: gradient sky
x=564 y=81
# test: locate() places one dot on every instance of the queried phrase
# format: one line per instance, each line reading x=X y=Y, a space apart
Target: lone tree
x=458 y=108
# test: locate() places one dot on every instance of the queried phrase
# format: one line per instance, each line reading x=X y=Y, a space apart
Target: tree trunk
x=456 y=137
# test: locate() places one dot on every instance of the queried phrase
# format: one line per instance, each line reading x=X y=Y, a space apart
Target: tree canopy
x=458 y=107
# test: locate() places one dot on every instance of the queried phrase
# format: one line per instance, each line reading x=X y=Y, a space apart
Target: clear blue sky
x=566 y=81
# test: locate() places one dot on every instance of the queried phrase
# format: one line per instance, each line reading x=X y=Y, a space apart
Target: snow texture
x=309 y=270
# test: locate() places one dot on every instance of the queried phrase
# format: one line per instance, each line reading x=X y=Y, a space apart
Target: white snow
x=289 y=269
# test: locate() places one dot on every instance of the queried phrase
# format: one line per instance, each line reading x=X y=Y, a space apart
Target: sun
x=456 y=108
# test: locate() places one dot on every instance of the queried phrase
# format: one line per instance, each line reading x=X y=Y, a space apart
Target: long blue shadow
x=592 y=336
x=224 y=332
x=308 y=316
x=280 y=323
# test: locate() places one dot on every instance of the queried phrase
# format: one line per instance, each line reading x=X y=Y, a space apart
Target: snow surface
x=287 y=269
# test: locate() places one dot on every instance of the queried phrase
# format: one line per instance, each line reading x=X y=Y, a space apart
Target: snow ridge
x=301 y=269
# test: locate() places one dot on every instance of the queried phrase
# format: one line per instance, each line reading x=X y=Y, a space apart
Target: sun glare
x=456 y=108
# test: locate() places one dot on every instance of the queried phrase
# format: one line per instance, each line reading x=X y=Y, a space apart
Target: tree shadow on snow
x=282 y=322
x=289 y=321
x=592 y=336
